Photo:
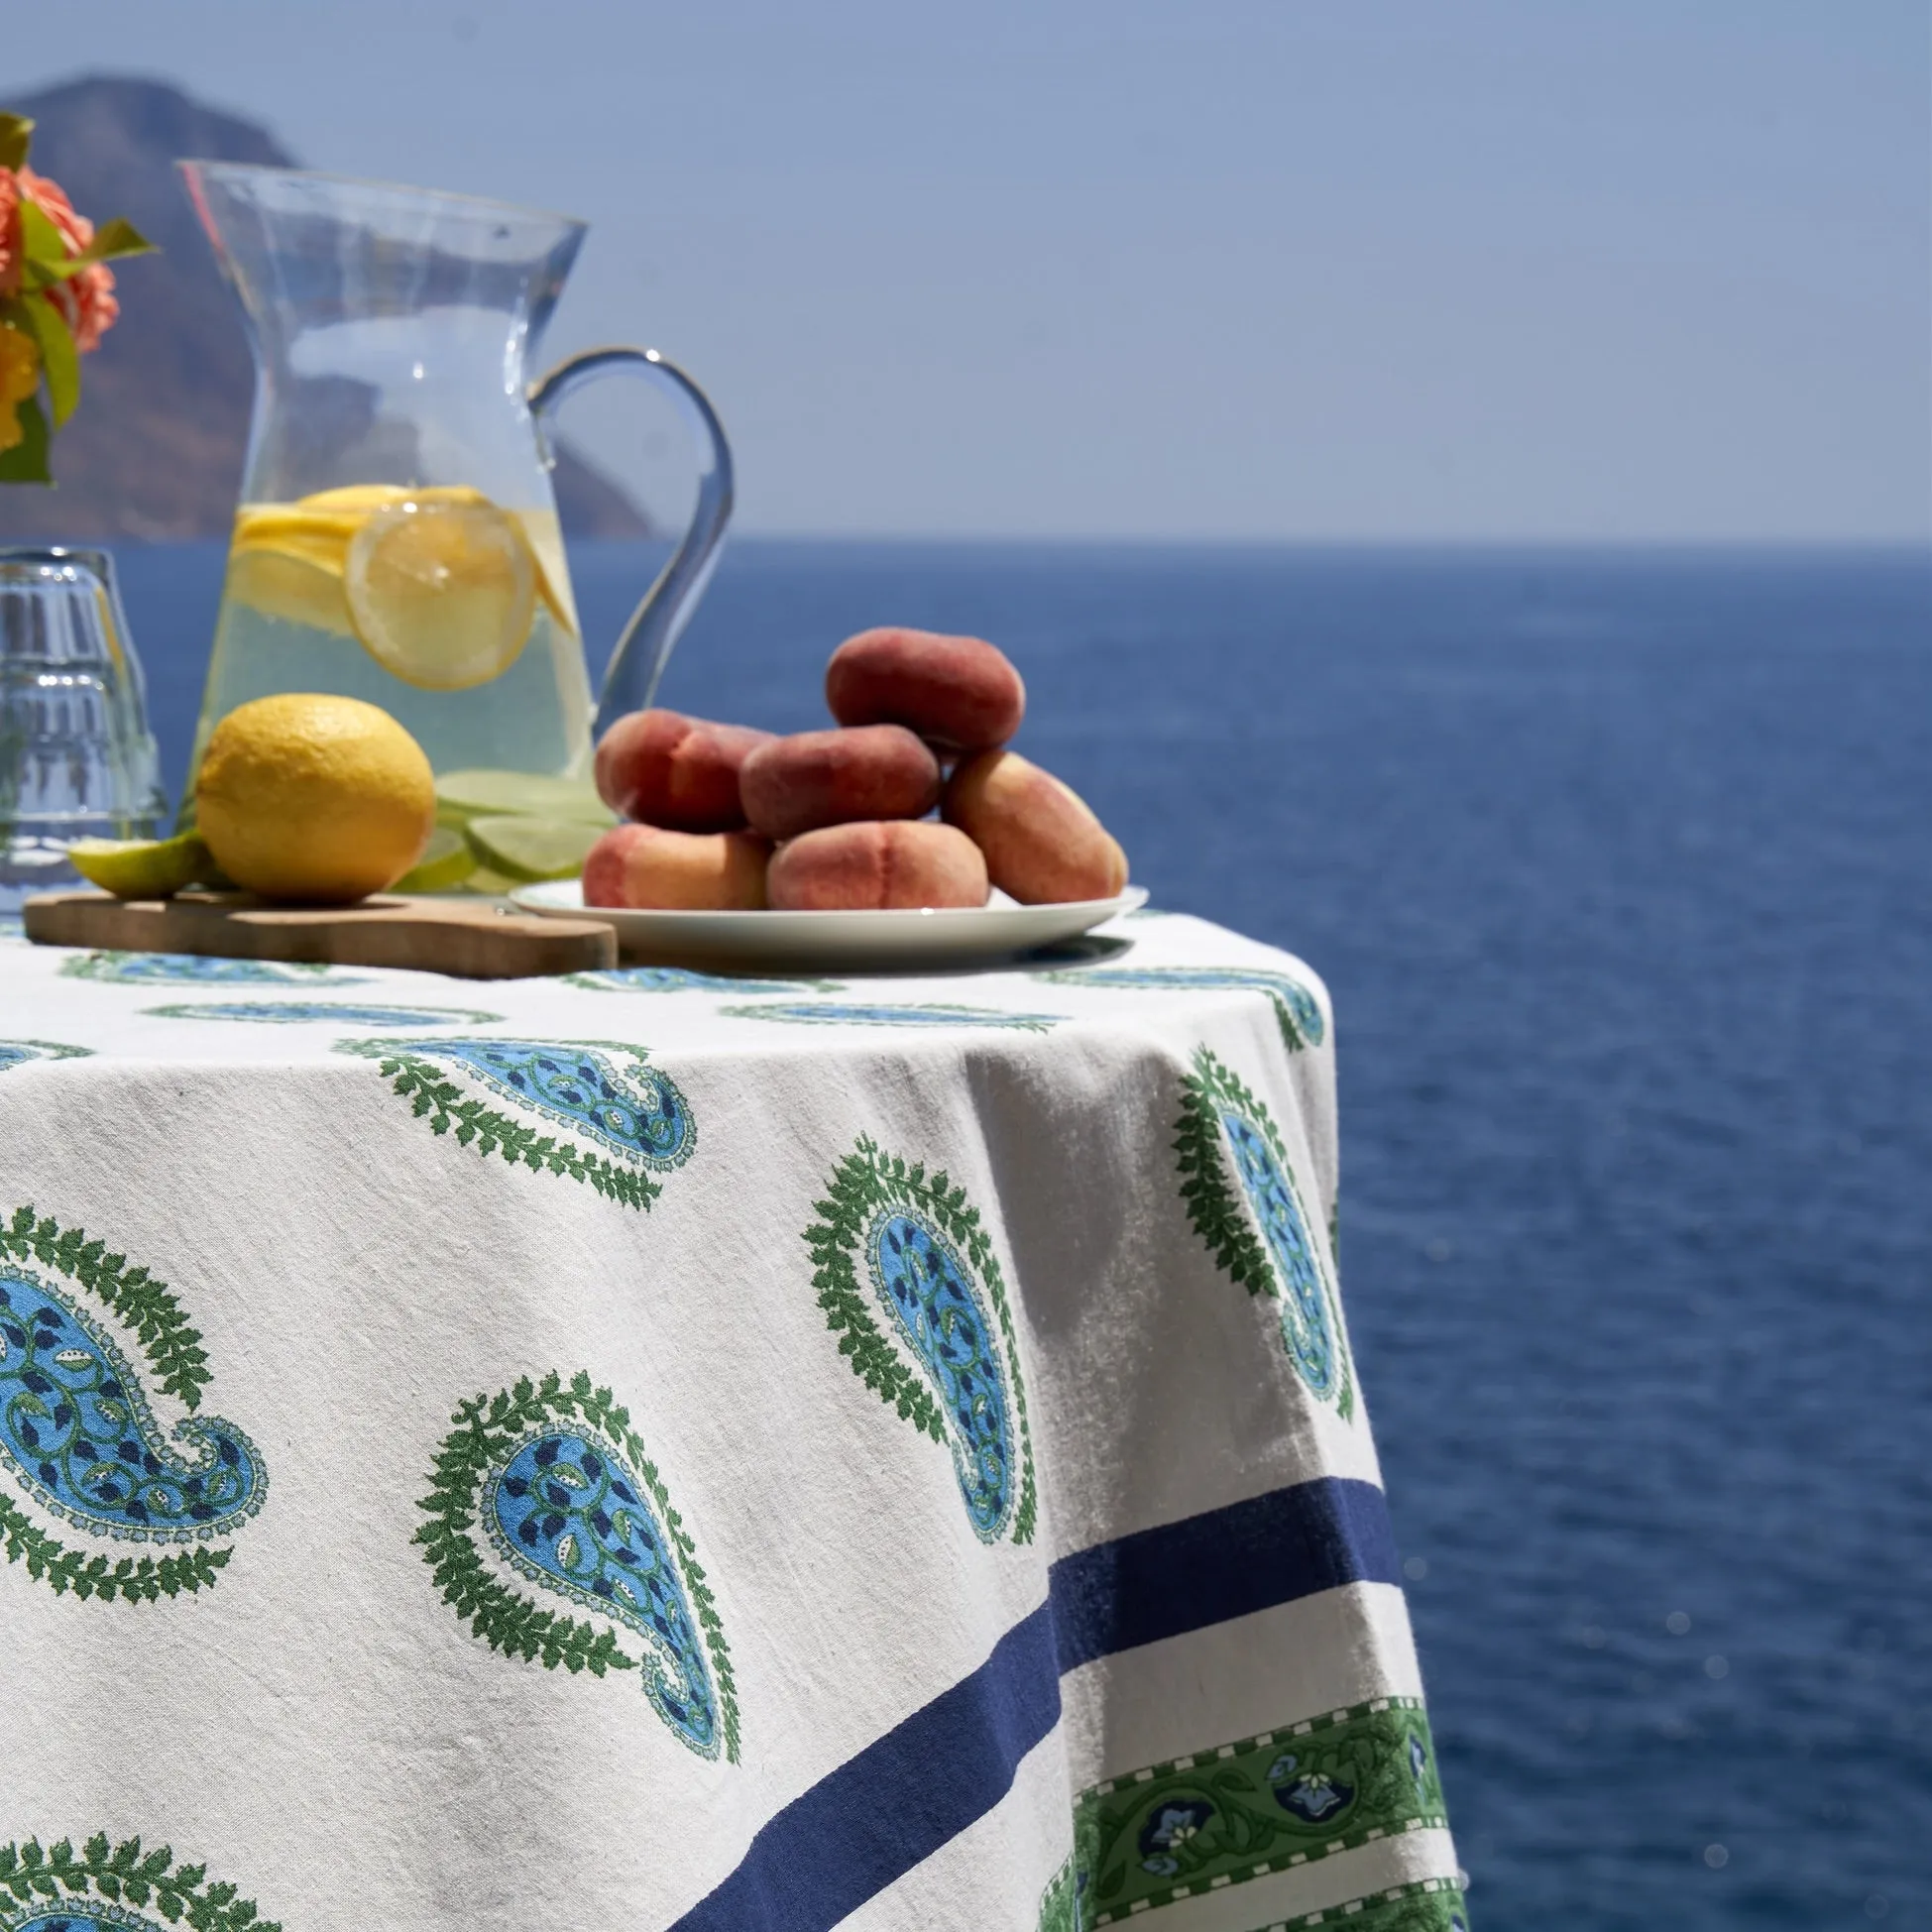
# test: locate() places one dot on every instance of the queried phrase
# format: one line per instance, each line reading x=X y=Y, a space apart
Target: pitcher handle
x=644 y=648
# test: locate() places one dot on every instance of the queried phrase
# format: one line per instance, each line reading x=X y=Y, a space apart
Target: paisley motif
x=1296 y=1011
x=553 y=1480
x=1307 y=1327
x=76 y=1431
x=637 y=1113
x=835 y=1013
x=943 y=1354
x=679 y=979
x=924 y=1286
x=17 y=1052
x=1265 y=1239
x=602 y=1097
x=195 y=969
x=292 y=1012
x=566 y=1513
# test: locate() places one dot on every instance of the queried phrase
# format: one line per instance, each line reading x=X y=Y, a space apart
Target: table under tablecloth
x=656 y=1450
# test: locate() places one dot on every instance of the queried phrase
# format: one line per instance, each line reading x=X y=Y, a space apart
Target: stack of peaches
x=726 y=818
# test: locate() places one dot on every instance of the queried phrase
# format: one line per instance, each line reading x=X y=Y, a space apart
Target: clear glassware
x=76 y=757
x=397 y=539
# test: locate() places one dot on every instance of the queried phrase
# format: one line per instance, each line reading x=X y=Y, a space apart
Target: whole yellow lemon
x=317 y=798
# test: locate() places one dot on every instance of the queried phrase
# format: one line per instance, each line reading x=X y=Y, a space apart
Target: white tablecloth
x=651 y=1451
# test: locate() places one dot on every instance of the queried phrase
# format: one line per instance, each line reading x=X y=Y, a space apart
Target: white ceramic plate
x=777 y=942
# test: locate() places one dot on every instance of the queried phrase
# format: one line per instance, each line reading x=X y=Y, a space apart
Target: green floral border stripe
x=1060 y=1907
x=489 y=1426
x=431 y=1092
x=1215 y=1208
x=865 y=1181
x=1261 y=1805
x=1426 y=1906
x=124 y=1874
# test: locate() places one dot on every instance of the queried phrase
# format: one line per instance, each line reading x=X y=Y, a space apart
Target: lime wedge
x=142 y=868
x=533 y=849
x=488 y=884
x=446 y=862
x=482 y=794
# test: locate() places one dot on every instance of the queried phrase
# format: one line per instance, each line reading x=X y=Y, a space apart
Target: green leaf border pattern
x=1231 y=1827
x=1214 y=1204
x=122 y=1875
x=180 y=1365
x=489 y=1426
x=433 y=1094
x=862 y=1182
x=1059 y=1903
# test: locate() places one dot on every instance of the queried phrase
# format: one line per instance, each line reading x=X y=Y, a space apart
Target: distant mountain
x=156 y=449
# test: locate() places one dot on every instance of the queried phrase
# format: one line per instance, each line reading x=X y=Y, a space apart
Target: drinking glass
x=76 y=757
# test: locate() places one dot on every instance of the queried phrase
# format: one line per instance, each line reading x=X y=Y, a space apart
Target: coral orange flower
x=86 y=299
x=57 y=300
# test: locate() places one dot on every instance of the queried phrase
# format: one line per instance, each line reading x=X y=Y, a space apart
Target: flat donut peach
x=960 y=693
x=645 y=866
x=797 y=784
x=1042 y=843
x=872 y=867
x=661 y=767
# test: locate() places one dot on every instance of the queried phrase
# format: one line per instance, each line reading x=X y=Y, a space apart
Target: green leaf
x=46 y=248
x=59 y=359
x=26 y=462
x=16 y=135
x=113 y=239
x=41 y=242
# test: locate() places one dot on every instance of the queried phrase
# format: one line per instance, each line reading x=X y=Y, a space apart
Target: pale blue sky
x=1433 y=269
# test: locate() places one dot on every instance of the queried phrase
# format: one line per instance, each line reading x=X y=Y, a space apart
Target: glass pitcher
x=397 y=538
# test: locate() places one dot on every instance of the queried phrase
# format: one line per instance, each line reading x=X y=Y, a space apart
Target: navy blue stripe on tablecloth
x=868 y=1823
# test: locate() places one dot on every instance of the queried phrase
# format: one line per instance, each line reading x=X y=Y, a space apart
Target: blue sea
x=1620 y=869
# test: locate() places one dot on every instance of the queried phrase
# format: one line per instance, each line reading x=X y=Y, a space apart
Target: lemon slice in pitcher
x=442 y=594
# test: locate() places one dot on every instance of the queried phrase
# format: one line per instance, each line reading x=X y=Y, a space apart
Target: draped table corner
x=657 y=1449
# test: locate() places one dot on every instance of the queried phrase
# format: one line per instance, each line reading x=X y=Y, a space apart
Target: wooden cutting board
x=473 y=939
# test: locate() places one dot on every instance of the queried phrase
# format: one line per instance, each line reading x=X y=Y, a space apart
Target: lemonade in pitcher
x=398 y=537
x=450 y=612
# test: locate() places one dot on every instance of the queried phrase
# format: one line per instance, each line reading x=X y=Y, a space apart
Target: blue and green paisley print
x=549 y=1478
x=909 y=1282
x=77 y=1434
x=568 y=1514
